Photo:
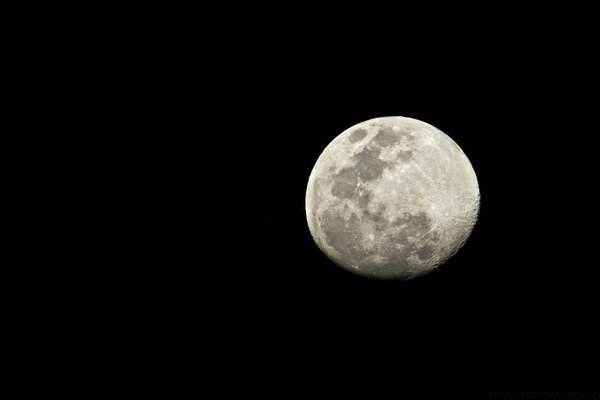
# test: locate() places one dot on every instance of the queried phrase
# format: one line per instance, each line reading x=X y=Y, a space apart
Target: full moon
x=391 y=198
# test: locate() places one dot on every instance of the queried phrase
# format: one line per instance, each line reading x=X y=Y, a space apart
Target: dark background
x=514 y=309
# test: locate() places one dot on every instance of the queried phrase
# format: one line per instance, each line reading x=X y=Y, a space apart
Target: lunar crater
x=368 y=164
x=357 y=135
x=388 y=136
x=344 y=183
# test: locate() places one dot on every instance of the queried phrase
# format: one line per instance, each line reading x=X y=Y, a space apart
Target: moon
x=391 y=198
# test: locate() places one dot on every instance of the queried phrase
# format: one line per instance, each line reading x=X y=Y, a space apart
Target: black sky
x=513 y=309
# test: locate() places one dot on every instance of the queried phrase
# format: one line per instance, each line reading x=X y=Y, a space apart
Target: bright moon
x=391 y=198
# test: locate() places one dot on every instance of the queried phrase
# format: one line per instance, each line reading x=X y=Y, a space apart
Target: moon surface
x=391 y=198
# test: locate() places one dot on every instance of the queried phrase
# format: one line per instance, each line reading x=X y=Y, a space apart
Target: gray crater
x=368 y=164
x=363 y=200
x=357 y=135
x=414 y=224
x=405 y=155
x=338 y=233
x=344 y=183
x=386 y=136
x=377 y=217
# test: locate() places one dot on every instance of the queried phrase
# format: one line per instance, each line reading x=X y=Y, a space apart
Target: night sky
x=512 y=310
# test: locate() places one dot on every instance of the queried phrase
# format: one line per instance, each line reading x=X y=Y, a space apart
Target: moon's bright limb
x=391 y=198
